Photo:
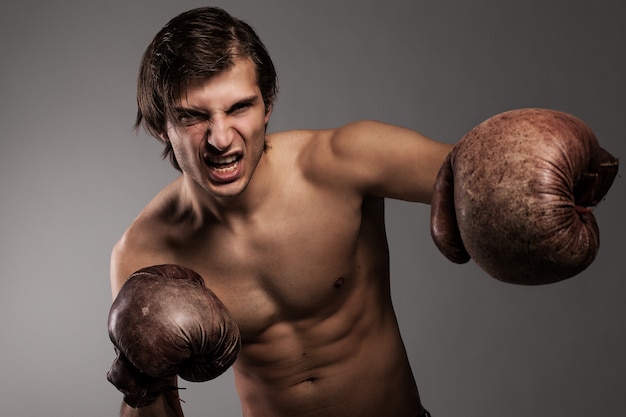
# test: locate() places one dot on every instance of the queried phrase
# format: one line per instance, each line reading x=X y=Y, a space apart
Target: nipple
x=339 y=282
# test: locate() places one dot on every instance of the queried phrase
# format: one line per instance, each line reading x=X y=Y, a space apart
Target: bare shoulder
x=373 y=159
x=299 y=150
x=143 y=241
x=371 y=139
x=312 y=150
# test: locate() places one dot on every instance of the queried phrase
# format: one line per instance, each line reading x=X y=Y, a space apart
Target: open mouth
x=223 y=166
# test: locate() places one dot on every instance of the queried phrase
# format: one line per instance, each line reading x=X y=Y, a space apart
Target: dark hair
x=195 y=45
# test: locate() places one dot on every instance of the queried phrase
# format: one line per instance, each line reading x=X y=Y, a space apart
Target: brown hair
x=195 y=45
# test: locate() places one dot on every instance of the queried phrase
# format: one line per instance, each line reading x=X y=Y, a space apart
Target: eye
x=239 y=108
x=242 y=106
x=188 y=119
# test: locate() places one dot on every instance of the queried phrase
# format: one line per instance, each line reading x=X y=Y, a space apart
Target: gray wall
x=73 y=176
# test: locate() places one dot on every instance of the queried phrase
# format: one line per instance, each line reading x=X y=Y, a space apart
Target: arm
x=380 y=160
x=131 y=253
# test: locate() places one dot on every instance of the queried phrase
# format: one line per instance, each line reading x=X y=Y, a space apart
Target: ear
x=268 y=113
x=163 y=136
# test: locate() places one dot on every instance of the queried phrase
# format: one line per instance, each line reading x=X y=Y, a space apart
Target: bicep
x=117 y=270
x=125 y=259
x=388 y=161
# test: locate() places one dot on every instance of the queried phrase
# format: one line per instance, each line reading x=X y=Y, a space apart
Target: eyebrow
x=197 y=112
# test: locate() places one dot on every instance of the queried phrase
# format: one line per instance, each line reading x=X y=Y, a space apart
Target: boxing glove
x=515 y=194
x=165 y=322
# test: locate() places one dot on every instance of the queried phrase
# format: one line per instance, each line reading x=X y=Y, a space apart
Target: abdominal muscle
x=351 y=363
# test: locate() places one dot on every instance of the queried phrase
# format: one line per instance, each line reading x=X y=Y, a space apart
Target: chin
x=226 y=191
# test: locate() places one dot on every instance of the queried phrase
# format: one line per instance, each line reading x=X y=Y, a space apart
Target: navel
x=339 y=282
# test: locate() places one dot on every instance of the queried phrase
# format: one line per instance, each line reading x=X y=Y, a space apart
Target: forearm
x=167 y=405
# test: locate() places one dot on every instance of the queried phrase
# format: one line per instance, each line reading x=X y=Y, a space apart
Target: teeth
x=223 y=161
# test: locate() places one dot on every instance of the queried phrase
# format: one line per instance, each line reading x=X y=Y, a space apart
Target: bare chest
x=293 y=265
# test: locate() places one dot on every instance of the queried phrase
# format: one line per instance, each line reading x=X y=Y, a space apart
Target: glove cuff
x=139 y=389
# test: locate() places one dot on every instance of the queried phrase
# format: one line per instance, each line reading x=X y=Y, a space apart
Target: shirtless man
x=286 y=229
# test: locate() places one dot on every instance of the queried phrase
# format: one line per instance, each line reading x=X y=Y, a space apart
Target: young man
x=286 y=229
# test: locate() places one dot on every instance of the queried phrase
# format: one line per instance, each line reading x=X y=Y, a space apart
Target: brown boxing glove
x=164 y=322
x=515 y=194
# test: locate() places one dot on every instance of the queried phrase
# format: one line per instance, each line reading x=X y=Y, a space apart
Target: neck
x=231 y=208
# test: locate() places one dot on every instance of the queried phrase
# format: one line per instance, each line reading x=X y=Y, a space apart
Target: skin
x=292 y=240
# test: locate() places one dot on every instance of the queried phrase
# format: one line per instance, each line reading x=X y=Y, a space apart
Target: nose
x=220 y=134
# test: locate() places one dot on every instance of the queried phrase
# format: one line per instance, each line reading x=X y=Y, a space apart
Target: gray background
x=73 y=176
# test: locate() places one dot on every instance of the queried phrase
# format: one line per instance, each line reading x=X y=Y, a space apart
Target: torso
x=306 y=278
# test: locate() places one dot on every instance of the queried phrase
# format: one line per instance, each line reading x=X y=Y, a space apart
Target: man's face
x=219 y=135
